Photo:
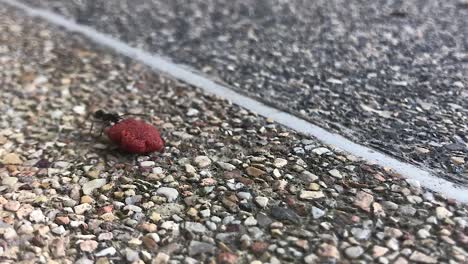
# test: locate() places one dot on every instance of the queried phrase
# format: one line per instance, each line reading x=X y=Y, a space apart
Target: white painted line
x=182 y=72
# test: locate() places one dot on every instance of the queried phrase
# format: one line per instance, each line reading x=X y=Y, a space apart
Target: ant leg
x=102 y=131
x=104 y=128
x=91 y=128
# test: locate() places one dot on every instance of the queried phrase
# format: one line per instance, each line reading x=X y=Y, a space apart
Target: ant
x=107 y=118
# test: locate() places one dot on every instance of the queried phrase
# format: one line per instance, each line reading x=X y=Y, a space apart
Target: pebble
x=336 y=173
x=354 y=252
x=361 y=233
x=88 y=245
x=82 y=208
x=226 y=166
x=261 y=201
x=311 y=195
x=317 y=212
x=161 y=258
x=110 y=251
x=105 y=236
x=12 y=206
x=280 y=163
x=244 y=195
x=195 y=227
x=250 y=221
x=149 y=163
x=285 y=214
x=9 y=181
x=320 y=151
x=59 y=230
x=226 y=258
x=254 y=172
x=308 y=177
x=202 y=161
x=422 y=258
x=328 y=251
x=37 y=216
x=192 y=112
x=9 y=233
x=442 y=213
x=57 y=248
x=171 y=194
x=79 y=109
x=92 y=185
x=378 y=251
x=197 y=247
x=131 y=255
x=423 y=233
x=190 y=169
x=457 y=160
x=12 y=159
x=363 y=200
x=84 y=260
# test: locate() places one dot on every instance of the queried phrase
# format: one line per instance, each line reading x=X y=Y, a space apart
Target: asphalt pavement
x=388 y=74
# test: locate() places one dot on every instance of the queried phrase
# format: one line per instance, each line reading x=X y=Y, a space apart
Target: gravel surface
x=231 y=187
x=389 y=74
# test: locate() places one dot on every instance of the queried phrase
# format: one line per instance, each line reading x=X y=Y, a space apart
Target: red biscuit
x=135 y=136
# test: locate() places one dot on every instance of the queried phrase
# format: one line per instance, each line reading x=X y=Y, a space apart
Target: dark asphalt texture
x=392 y=75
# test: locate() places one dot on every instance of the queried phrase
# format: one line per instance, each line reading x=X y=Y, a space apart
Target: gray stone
x=90 y=186
x=354 y=252
x=335 y=173
x=226 y=166
x=194 y=227
x=171 y=194
x=202 y=161
x=317 y=212
x=361 y=233
x=422 y=258
x=197 y=247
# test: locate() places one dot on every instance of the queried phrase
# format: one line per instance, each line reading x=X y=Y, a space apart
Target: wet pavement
x=231 y=186
x=388 y=74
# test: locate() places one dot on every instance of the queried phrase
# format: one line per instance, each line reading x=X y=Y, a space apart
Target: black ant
x=107 y=118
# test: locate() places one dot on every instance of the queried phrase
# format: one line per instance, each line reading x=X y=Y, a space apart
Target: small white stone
x=226 y=166
x=171 y=194
x=190 y=169
x=457 y=160
x=9 y=181
x=423 y=233
x=205 y=213
x=157 y=170
x=244 y=195
x=37 y=216
x=261 y=201
x=82 y=208
x=336 y=173
x=310 y=195
x=279 y=163
x=317 y=212
x=442 y=213
x=147 y=163
x=250 y=221
x=79 y=109
x=202 y=161
x=106 y=252
x=170 y=225
x=59 y=230
x=320 y=151
x=192 y=112
x=92 y=185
